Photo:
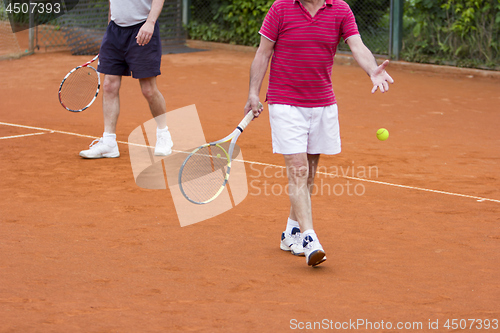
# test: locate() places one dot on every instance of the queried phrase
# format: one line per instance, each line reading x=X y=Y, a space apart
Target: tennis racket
x=80 y=87
x=205 y=172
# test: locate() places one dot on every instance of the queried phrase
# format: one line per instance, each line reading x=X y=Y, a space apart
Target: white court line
x=68 y=133
x=21 y=136
x=479 y=199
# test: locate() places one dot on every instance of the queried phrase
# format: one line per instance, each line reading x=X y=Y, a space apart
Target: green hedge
x=453 y=32
x=462 y=33
x=239 y=21
x=234 y=21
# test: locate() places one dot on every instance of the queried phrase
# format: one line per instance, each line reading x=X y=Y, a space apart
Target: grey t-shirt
x=129 y=12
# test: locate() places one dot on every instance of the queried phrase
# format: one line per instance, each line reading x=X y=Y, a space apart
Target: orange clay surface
x=84 y=249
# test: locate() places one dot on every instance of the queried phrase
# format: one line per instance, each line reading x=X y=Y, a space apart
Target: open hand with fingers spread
x=380 y=78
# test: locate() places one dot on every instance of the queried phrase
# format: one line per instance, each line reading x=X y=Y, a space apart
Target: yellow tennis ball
x=218 y=155
x=382 y=134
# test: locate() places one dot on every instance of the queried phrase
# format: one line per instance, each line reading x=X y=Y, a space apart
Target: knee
x=111 y=87
x=298 y=171
x=148 y=91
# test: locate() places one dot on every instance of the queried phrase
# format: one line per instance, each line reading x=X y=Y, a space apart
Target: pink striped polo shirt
x=301 y=66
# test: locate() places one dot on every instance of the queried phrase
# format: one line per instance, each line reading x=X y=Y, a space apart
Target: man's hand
x=380 y=78
x=254 y=105
x=366 y=60
x=145 y=33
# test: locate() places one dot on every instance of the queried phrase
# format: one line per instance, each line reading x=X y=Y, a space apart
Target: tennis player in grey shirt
x=131 y=46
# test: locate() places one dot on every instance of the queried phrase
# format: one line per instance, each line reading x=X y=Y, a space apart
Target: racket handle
x=248 y=118
x=91 y=61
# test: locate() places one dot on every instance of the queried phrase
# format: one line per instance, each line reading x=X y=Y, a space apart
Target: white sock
x=290 y=225
x=160 y=130
x=310 y=232
x=109 y=139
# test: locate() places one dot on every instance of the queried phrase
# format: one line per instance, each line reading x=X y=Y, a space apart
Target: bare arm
x=366 y=60
x=147 y=29
x=257 y=72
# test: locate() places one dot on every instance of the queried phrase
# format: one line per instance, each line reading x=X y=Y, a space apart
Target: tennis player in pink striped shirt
x=302 y=36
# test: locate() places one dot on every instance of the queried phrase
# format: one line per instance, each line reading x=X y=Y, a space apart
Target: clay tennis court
x=84 y=249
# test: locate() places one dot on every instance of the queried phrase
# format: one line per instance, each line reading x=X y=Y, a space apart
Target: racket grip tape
x=248 y=118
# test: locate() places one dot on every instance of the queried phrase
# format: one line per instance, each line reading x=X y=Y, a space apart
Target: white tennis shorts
x=305 y=130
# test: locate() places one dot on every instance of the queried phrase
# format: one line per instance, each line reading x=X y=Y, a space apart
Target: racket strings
x=79 y=88
x=204 y=173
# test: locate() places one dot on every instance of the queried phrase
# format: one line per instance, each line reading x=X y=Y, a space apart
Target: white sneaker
x=292 y=242
x=313 y=251
x=98 y=149
x=163 y=143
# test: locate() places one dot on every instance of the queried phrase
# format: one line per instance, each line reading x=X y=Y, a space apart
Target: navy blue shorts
x=120 y=54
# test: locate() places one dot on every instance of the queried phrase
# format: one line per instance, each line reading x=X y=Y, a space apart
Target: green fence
x=82 y=29
x=452 y=32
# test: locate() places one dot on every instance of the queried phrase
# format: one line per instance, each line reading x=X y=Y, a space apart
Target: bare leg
x=111 y=102
x=155 y=100
x=301 y=169
x=312 y=161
